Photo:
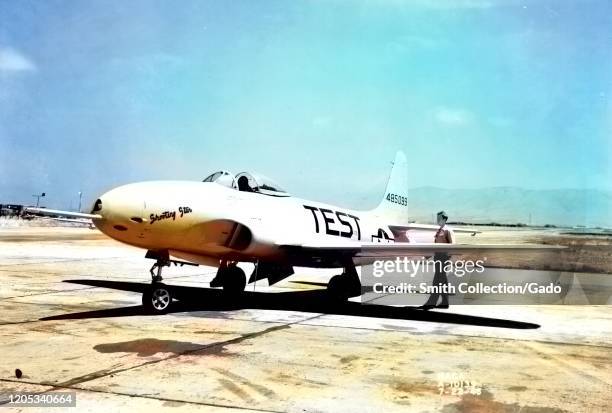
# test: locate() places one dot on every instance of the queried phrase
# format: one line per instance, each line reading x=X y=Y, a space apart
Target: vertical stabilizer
x=394 y=205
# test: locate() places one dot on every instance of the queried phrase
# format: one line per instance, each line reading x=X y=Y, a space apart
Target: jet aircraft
x=227 y=219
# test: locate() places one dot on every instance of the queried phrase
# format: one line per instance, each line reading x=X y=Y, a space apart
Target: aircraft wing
x=335 y=253
x=408 y=249
x=60 y=213
x=78 y=221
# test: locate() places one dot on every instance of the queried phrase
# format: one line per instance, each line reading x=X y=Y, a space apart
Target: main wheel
x=157 y=299
x=342 y=287
x=234 y=281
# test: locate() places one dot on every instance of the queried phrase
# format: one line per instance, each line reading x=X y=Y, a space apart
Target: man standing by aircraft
x=442 y=235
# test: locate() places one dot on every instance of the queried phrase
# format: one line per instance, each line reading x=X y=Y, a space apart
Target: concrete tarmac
x=281 y=349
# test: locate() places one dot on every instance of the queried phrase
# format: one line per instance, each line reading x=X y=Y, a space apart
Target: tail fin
x=394 y=205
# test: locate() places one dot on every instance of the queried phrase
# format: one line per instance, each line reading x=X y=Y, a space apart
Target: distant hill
x=511 y=205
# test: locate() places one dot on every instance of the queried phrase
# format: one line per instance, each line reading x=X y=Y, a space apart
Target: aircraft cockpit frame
x=247 y=182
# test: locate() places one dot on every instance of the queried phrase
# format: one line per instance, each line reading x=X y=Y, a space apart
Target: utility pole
x=80 y=197
x=38 y=198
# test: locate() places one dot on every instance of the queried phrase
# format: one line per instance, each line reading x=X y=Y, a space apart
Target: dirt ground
x=282 y=348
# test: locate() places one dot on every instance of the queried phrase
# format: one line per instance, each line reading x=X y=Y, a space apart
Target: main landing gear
x=231 y=277
x=344 y=286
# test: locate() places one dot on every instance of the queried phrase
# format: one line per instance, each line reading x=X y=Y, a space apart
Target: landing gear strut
x=346 y=285
x=156 y=270
x=157 y=298
x=231 y=277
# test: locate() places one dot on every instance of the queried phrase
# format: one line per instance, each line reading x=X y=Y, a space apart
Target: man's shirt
x=444 y=235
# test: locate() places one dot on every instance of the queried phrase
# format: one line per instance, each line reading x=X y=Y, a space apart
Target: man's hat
x=443 y=214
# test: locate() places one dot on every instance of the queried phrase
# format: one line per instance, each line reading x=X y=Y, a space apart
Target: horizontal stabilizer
x=426 y=227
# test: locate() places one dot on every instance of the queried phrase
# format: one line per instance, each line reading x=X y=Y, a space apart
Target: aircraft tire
x=157 y=299
x=341 y=287
x=234 y=281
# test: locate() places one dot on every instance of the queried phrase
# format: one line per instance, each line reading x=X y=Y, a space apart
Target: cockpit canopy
x=224 y=178
x=247 y=182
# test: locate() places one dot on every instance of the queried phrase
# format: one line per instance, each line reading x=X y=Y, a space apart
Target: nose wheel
x=156 y=299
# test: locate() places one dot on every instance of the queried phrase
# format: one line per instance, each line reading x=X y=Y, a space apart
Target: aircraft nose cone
x=120 y=209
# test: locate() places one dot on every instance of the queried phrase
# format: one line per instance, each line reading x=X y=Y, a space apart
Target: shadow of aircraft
x=311 y=301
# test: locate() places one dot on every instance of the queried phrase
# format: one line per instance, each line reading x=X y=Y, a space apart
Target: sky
x=318 y=95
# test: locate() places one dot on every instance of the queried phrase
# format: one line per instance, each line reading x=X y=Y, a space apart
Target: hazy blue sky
x=318 y=95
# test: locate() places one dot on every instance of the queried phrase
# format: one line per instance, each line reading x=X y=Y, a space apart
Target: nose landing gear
x=157 y=298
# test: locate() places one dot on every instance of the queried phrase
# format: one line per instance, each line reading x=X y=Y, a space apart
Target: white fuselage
x=205 y=222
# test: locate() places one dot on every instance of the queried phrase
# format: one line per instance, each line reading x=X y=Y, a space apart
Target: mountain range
x=512 y=205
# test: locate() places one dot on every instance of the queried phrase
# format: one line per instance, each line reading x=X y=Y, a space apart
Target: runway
x=71 y=320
